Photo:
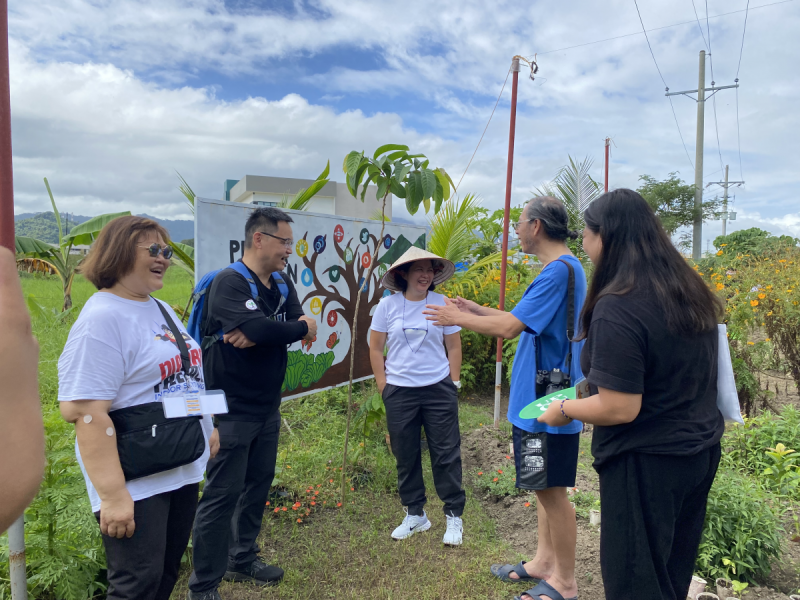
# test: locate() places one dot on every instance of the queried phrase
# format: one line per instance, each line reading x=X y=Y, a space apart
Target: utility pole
x=6 y=171
x=725 y=214
x=608 y=141
x=506 y=215
x=697 y=229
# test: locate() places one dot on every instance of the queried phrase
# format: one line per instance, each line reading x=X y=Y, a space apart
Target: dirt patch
x=486 y=449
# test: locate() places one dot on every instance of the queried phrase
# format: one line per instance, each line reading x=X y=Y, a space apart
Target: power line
x=700 y=27
x=618 y=37
x=484 y=129
x=743 y=32
x=738 y=136
x=665 y=83
x=739 y=66
x=714 y=97
x=636 y=4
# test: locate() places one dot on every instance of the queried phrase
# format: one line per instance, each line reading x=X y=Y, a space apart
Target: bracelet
x=563 y=414
x=457 y=384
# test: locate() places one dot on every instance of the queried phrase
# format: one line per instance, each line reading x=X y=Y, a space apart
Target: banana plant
x=407 y=176
x=58 y=257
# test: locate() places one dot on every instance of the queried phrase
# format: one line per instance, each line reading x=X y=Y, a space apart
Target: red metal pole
x=506 y=213
x=608 y=141
x=6 y=171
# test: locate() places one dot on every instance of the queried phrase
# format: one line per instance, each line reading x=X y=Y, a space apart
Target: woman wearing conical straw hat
x=419 y=381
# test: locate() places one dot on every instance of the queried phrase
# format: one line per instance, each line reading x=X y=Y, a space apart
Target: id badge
x=195 y=403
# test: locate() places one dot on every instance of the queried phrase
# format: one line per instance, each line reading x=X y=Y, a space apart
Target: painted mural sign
x=328 y=266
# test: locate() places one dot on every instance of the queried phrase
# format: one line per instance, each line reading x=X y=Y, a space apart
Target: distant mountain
x=43 y=226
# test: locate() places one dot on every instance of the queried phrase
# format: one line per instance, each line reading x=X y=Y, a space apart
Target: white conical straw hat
x=443 y=268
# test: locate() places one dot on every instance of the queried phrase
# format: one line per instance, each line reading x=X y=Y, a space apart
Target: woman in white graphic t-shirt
x=419 y=381
x=122 y=358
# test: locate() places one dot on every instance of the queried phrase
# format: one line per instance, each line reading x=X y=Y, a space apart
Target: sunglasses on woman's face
x=154 y=249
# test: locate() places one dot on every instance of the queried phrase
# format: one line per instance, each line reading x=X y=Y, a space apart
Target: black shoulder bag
x=148 y=442
x=555 y=380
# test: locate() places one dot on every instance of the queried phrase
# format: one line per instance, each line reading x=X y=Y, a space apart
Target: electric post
x=697 y=229
x=725 y=214
x=605 y=187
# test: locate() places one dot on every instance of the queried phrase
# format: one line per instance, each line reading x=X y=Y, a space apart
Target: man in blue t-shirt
x=546 y=457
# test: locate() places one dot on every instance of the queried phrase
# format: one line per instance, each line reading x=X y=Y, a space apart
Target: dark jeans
x=653 y=512
x=434 y=407
x=145 y=566
x=232 y=506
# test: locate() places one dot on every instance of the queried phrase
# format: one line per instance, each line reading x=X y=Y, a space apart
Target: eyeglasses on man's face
x=288 y=242
x=155 y=249
x=515 y=224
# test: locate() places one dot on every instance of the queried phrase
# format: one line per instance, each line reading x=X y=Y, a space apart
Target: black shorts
x=545 y=460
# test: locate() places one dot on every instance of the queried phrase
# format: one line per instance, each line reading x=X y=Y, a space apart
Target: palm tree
x=575 y=188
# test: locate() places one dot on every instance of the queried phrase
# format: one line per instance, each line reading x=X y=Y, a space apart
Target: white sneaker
x=411 y=524
x=455 y=527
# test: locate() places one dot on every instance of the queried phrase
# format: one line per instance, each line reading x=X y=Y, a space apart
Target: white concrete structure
x=332 y=199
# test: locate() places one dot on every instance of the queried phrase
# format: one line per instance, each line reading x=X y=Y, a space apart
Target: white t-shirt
x=123 y=350
x=416 y=356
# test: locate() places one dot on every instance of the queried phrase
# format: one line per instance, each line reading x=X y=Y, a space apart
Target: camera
x=548 y=382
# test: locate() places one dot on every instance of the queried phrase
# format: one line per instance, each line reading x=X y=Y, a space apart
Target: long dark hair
x=637 y=254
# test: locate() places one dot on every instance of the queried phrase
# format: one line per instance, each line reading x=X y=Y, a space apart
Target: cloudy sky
x=110 y=97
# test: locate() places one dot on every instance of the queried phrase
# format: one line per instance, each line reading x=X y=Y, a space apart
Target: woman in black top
x=650 y=325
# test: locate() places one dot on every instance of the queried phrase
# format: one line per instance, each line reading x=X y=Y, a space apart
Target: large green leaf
x=397 y=155
x=352 y=162
x=411 y=204
x=419 y=192
x=401 y=172
x=428 y=183
x=388 y=148
x=303 y=197
x=55 y=211
x=87 y=232
x=445 y=182
x=397 y=189
x=32 y=247
x=438 y=196
x=383 y=185
x=183 y=253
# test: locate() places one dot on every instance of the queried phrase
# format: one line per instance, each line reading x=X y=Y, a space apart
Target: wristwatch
x=215 y=421
x=457 y=384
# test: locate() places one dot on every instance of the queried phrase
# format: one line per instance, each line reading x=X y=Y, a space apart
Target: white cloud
x=87 y=113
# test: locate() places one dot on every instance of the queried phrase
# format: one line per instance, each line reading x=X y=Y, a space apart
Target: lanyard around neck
x=405 y=335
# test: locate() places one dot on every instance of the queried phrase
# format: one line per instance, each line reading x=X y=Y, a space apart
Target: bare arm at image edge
x=101 y=460
x=21 y=428
x=452 y=343
x=377 y=342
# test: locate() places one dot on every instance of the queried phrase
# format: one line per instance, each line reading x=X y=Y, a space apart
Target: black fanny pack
x=147 y=441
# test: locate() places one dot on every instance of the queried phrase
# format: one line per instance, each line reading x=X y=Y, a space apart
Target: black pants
x=653 y=511
x=434 y=407
x=232 y=506
x=145 y=565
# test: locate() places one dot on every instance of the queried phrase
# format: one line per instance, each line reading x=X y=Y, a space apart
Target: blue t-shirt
x=543 y=310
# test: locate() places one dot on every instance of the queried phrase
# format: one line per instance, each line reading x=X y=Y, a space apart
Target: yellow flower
x=750 y=344
x=722 y=245
x=753 y=302
x=762 y=296
x=769 y=314
x=768 y=340
x=719 y=253
x=720 y=286
x=783 y=260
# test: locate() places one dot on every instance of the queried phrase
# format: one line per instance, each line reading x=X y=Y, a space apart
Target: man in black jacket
x=249 y=365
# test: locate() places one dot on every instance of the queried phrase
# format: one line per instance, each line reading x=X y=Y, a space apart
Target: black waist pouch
x=149 y=443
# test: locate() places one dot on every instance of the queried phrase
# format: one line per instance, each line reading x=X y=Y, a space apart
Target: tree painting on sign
x=334 y=265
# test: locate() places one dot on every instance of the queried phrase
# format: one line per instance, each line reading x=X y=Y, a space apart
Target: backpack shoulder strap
x=277 y=276
x=242 y=270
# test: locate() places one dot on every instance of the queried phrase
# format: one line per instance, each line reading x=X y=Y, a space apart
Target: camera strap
x=570 y=318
